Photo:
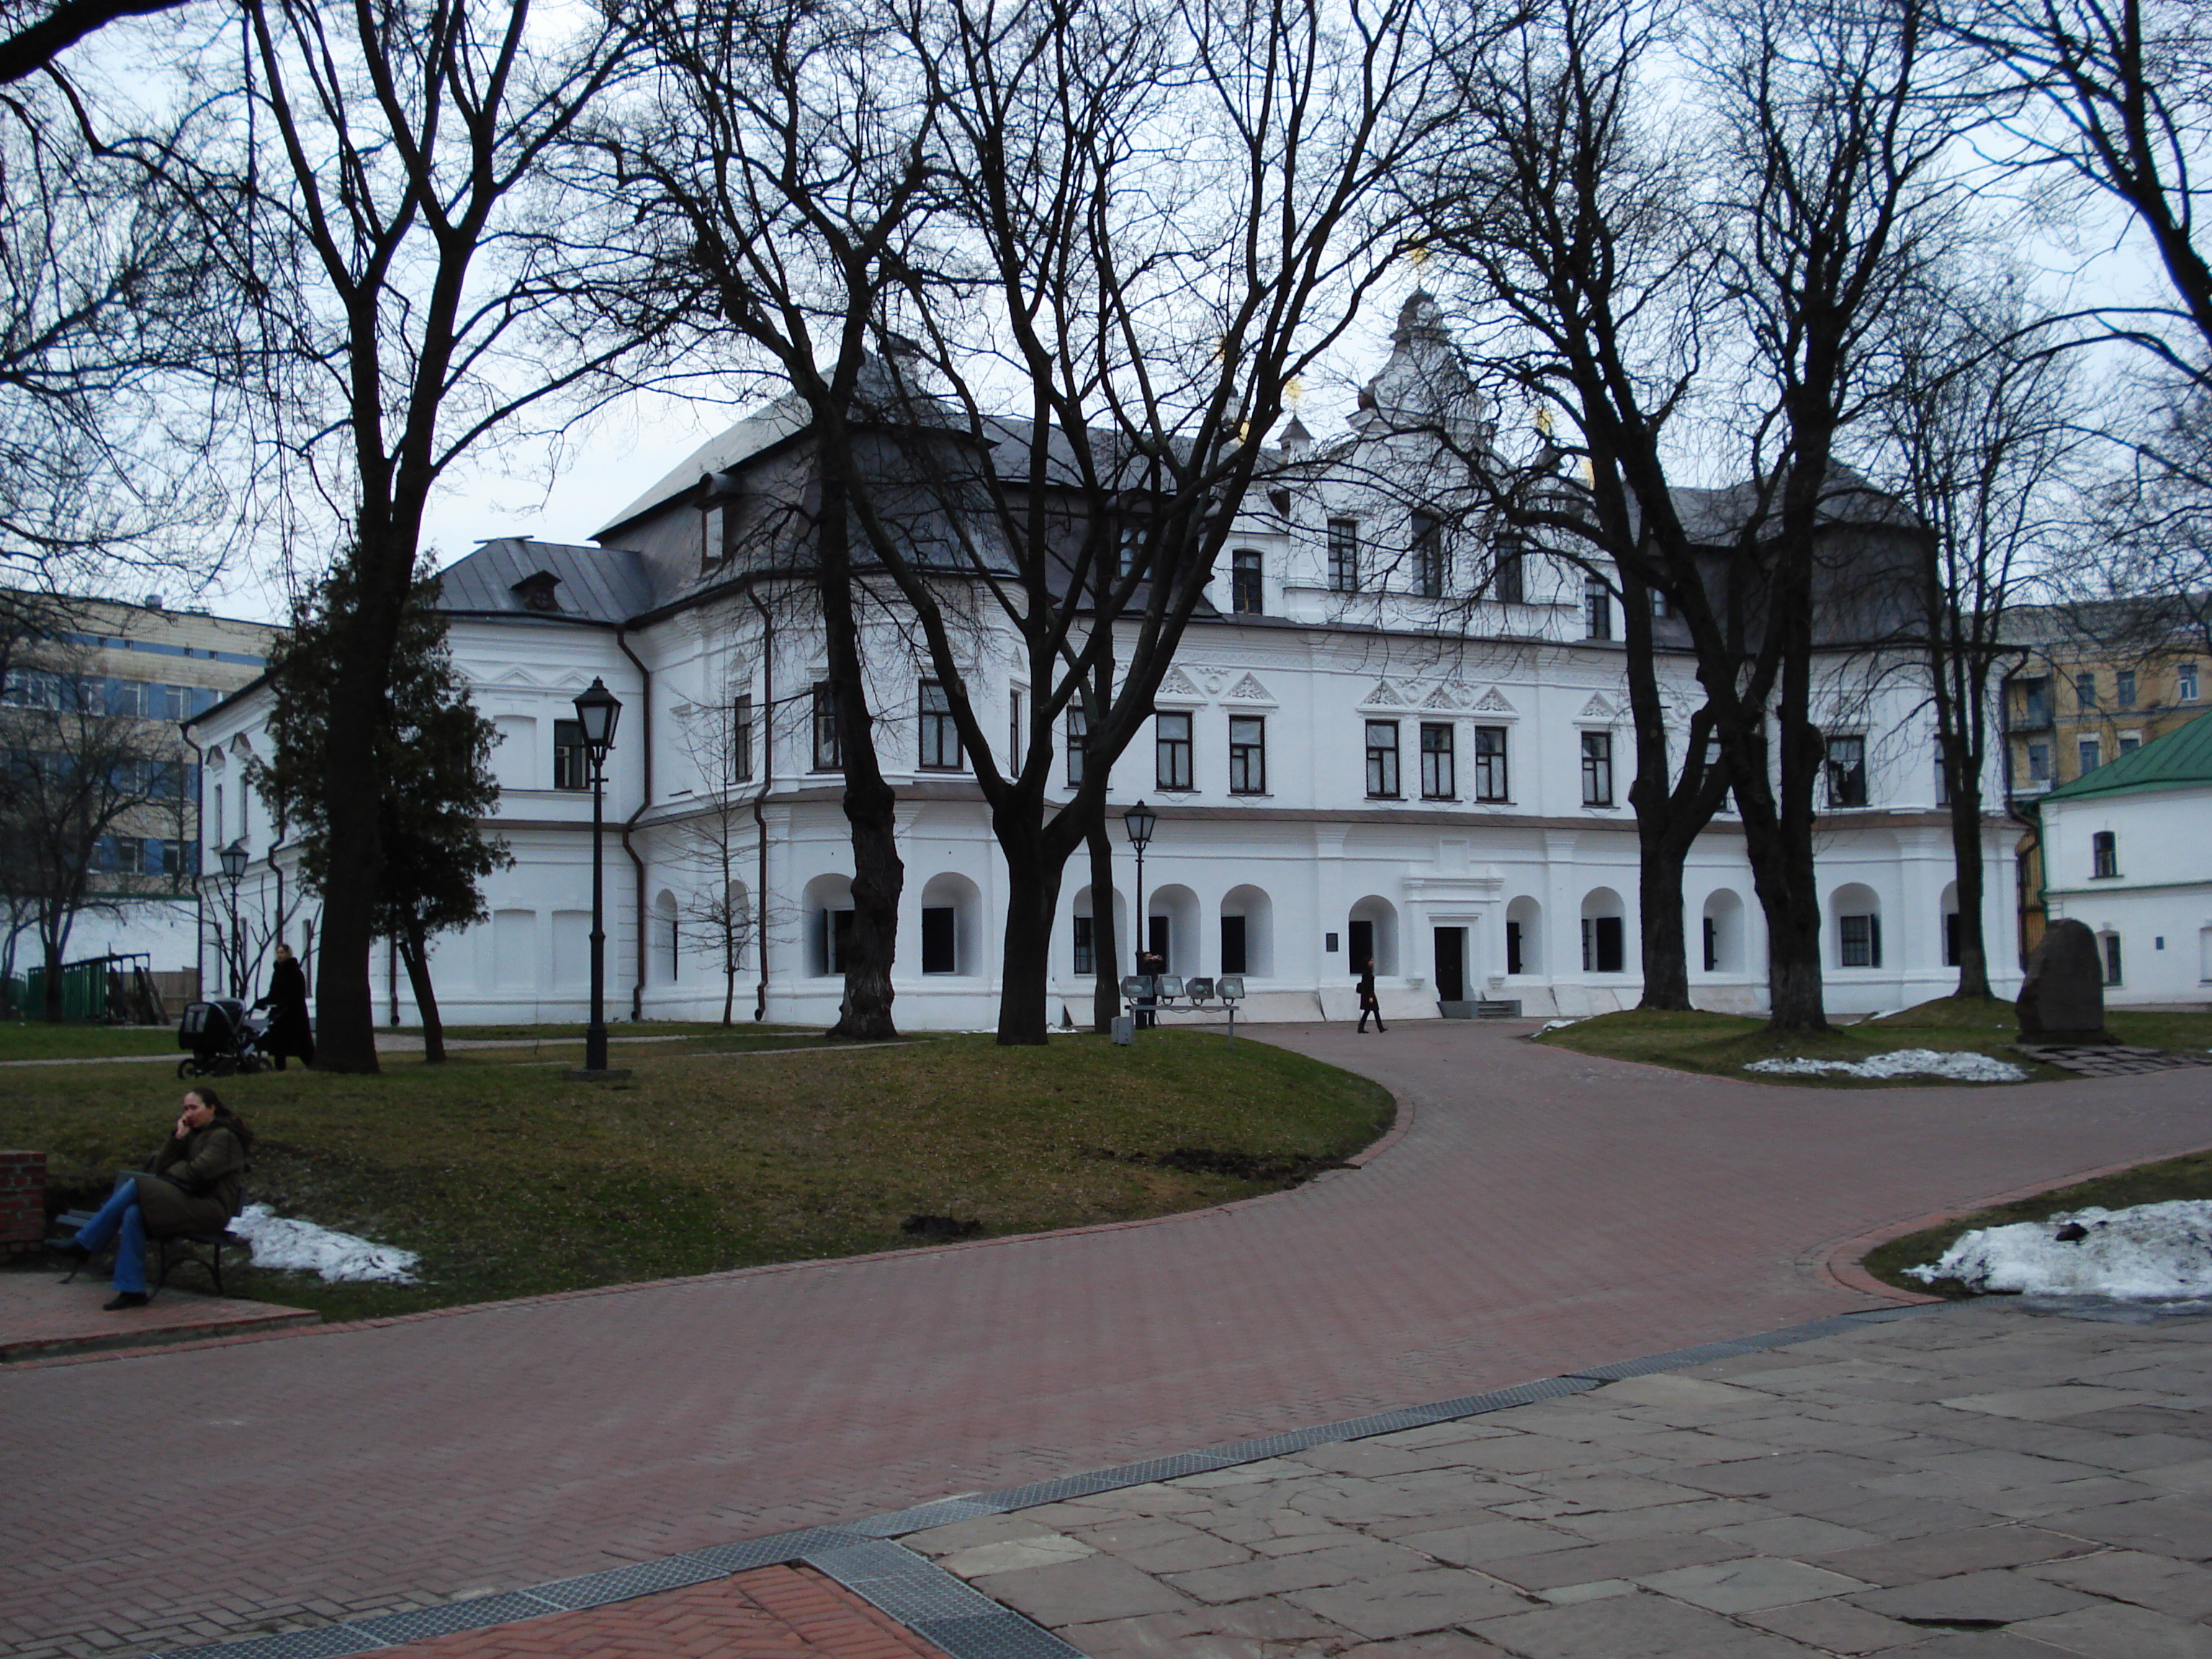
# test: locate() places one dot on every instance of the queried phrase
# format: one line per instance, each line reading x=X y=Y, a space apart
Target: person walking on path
x=196 y=1185
x=290 y=1031
x=1368 y=1005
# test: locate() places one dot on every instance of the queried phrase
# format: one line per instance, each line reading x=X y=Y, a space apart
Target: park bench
x=170 y=1251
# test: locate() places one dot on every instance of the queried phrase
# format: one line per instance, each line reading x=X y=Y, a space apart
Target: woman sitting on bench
x=196 y=1184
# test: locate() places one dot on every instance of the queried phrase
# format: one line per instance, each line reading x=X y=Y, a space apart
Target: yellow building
x=154 y=667
x=2088 y=684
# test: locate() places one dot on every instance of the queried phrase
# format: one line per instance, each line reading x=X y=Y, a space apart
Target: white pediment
x=1384 y=695
x=1493 y=702
x=1440 y=698
x=1597 y=708
x=1250 y=690
x=1180 y=684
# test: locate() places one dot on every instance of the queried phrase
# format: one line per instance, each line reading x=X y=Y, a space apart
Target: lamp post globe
x=598 y=711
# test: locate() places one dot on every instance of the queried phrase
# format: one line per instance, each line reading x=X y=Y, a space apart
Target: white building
x=1375 y=739
x=2124 y=851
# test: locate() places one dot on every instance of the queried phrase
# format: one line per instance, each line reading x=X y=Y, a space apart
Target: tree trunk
x=729 y=993
x=1971 y=876
x=1665 y=959
x=878 y=875
x=1105 y=948
x=50 y=992
x=345 y=1005
x=1032 y=897
x=414 y=950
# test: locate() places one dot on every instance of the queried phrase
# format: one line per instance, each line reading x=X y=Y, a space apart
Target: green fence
x=116 y=988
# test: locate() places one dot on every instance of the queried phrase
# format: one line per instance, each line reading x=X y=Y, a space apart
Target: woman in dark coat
x=195 y=1185
x=289 y=1033
x=1368 y=1005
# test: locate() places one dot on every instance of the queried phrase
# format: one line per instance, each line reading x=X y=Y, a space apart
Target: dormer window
x=536 y=593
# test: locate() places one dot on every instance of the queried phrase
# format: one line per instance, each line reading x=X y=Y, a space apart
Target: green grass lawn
x=35 y=1040
x=2189 y=1177
x=1720 y=1045
x=511 y=1180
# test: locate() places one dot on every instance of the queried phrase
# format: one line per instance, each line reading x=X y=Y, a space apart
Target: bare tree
x=1982 y=433
x=410 y=140
x=920 y=215
x=1575 y=216
x=1727 y=308
x=93 y=812
x=719 y=917
x=2118 y=98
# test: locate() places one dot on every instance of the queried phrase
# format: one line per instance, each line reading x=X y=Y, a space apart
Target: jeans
x=120 y=1219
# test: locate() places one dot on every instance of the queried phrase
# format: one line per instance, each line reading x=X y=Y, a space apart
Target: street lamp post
x=234 y=859
x=597 y=711
x=1139 y=821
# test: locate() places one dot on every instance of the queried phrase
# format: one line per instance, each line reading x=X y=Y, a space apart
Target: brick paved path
x=1547 y=1212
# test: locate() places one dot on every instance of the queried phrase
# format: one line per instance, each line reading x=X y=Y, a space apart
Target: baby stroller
x=224 y=1039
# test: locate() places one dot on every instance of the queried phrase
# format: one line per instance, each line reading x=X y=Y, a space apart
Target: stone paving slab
x=1764 y=1573
x=42 y=1318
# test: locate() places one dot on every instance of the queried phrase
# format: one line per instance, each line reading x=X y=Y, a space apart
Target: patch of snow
x=2151 y=1250
x=303 y=1247
x=1959 y=1067
x=1558 y=1024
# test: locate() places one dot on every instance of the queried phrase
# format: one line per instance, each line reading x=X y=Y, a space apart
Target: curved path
x=1542 y=1212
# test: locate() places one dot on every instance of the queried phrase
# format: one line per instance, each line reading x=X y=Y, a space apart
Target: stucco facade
x=1406 y=755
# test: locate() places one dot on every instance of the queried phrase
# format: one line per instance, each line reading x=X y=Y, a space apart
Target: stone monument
x=2064 y=1000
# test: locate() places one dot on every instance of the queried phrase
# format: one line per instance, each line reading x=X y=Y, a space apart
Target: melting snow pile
x=1906 y=1062
x=2151 y=1250
x=302 y=1247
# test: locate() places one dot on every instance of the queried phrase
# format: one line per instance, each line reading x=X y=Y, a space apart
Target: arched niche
x=1247 y=932
x=1372 y=930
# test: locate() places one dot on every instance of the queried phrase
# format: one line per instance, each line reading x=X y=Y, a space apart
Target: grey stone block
x=2110 y=1631
x=2181 y=1589
x=2000 y=1597
x=1406 y=1604
x=1943 y=1555
x=1085 y=1592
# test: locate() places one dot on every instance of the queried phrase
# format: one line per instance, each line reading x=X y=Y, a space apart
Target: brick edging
x=1402 y=1126
x=1838 y=1265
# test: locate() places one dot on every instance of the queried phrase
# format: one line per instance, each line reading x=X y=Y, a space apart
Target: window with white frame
x=2092 y=754
x=2104 y=853
x=1171 y=751
x=1490 y=777
x=1244 y=588
x=1597 y=609
x=940 y=734
x=2184 y=683
x=829 y=756
x=1597 y=769
x=1248 y=754
x=1383 y=759
x=1439 y=769
x=1344 y=554
x=1425 y=539
x=741 y=739
x=1846 y=770
x=1079 y=740
x=1861 y=941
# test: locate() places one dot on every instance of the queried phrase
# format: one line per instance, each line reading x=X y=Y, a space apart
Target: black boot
x=124 y=1299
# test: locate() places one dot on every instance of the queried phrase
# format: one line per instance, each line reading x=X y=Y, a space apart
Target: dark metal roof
x=597 y=584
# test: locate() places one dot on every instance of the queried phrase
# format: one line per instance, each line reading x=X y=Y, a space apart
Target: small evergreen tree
x=431 y=756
